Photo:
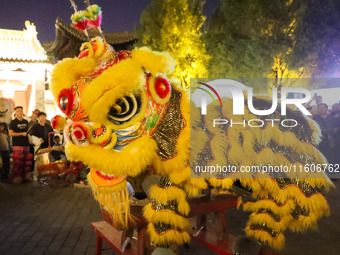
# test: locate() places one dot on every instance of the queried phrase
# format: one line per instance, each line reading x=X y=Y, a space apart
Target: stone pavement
x=36 y=219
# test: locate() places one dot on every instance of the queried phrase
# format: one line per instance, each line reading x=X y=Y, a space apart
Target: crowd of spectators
x=24 y=137
x=328 y=120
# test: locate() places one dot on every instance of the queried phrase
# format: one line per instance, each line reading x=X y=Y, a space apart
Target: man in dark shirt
x=42 y=130
x=328 y=129
x=21 y=150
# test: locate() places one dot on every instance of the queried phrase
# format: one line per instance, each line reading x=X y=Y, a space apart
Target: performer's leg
x=166 y=214
x=267 y=227
x=5 y=163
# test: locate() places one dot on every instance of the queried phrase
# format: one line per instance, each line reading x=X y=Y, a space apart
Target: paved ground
x=36 y=219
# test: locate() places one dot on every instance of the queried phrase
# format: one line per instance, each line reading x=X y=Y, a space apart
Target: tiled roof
x=119 y=37
x=22 y=46
x=111 y=38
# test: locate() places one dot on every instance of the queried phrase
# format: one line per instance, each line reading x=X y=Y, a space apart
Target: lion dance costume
x=126 y=117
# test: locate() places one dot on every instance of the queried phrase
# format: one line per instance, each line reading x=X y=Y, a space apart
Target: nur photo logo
x=238 y=92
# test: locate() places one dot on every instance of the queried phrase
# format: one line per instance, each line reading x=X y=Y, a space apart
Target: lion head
x=118 y=106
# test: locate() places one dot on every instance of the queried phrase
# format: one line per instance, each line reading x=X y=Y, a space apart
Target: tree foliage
x=244 y=35
x=175 y=26
x=317 y=38
x=280 y=76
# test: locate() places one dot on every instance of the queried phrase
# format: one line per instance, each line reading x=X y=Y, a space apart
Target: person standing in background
x=335 y=112
x=40 y=133
x=21 y=150
x=314 y=109
x=327 y=145
x=42 y=130
x=4 y=151
x=318 y=100
x=33 y=120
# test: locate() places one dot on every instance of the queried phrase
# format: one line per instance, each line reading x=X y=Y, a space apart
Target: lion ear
x=68 y=71
x=154 y=61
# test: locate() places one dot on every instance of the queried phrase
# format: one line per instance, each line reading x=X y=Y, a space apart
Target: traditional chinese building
x=24 y=68
x=69 y=39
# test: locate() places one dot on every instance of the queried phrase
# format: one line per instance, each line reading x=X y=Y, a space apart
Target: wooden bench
x=134 y=242
x=117 y=240
x=216 y=240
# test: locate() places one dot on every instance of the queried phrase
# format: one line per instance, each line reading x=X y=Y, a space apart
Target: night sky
x=118 y=15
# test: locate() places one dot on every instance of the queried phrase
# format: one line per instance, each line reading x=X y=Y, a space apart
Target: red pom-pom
x=80 y=131
x=58 y=122
x=162 y=87
x=81 y=25
x=78 y=134
x=54 y=121
x=17 y=156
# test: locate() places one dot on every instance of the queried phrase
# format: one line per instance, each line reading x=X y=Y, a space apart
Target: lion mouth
x=106 y=142
x=106 y=176
x=104 y=179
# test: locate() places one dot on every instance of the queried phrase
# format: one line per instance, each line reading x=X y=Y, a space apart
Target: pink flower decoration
x=96 y=22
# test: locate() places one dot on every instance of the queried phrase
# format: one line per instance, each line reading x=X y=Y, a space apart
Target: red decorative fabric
x=21 y=161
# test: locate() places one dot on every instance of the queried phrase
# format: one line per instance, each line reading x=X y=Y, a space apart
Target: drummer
x=41 y=131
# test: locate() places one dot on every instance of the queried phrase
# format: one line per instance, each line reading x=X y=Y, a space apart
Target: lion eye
x=125 y=109
x=63 y=102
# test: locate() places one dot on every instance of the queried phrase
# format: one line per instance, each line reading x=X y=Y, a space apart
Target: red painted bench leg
x=99 y=243
x=141 y=241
